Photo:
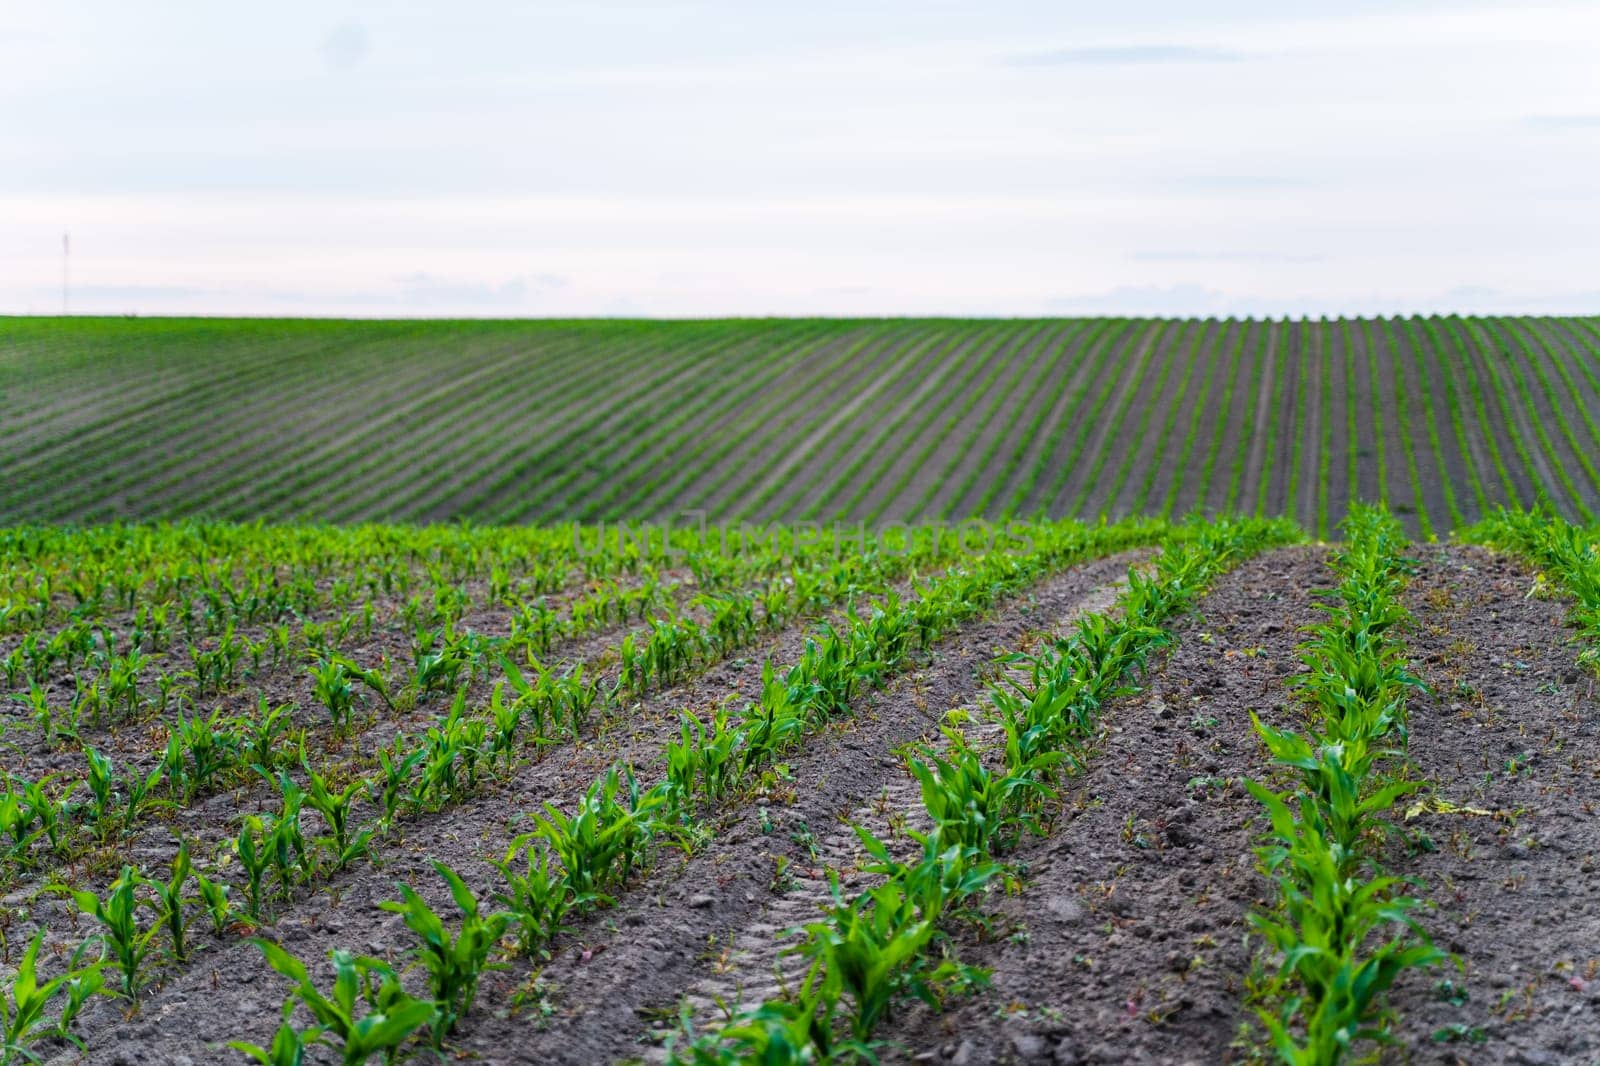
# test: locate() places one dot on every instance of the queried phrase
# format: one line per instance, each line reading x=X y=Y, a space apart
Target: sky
x=673 y=159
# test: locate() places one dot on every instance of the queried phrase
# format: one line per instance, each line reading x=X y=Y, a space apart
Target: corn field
x=1441 y=418
x=1156 y=790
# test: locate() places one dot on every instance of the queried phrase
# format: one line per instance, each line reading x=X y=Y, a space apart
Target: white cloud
x=715 y=158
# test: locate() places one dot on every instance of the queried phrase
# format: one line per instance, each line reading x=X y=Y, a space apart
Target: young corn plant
x=1342 y=931
x=252 y=847
x=970 y=805
x=118 y=917
x=292 y=858
x=217 y=898
x=288 y=1047
x=335 y=810
x=211 y=748
x=537 y=897
x=393 y=783
x=23 y=1005
x=453 y=963
x=259 y=735
x=611 y=834
x=705 y=759
x=169 y=902
x=365 y=1014
x=330 y=683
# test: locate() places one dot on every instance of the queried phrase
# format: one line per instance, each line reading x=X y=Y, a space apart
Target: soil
x=1512 y=729
x=1126 y=941
x=240 y=995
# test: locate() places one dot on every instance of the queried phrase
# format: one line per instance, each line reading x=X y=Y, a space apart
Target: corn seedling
x=253 y=851
x=170 y=899
x=330 y=684
x=453 y=963
x=118 y=916
x=288 y=1047
x=216 y=897
x=366 y=1013
x=538 y=897
x=335 y=810
x=393 y=783
x=611 y=834
x=24 y=1004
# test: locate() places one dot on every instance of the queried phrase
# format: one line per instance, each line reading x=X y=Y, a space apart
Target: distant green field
x=423 y=421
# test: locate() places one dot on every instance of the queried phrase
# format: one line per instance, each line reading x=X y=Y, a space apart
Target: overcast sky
x=670 y=158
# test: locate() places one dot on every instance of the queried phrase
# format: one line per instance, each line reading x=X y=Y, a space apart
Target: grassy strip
x=263 y=360
x=1403 y=418
x=1463 y=355
x=613 y=488
x=1270 y=451
x=578 y=464
x=1447 y=374
x=1110 y=360
x=886 y=458
x=1155 y=466
x=824 y=481
x=888 y=941
x=1114 y=440
x=492 y=490
x=1378 y=410
x=1567 y=555
x=1178 y=477
x=1352 y=452
x=1002 y=412
x=1325 y=454
x=969 y=403
x=1581 y=451
x=1341 y=931
x=779 y=469
x=1520 y=393
x=776 y=429
x=1086 y=352
x=1247 y=424
x=496 y=423
x=1298 y=439
x=1052 y=369
x=713 y=449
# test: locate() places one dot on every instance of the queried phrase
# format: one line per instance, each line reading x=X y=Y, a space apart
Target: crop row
x=1341 y=931
x=1441 y=418
x=889 y=941
x=276 y=848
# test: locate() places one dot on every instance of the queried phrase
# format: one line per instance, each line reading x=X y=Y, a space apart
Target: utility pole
x=66 y=247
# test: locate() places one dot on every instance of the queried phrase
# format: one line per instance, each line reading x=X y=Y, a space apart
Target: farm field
x=1441 y=418
x=1069 y=792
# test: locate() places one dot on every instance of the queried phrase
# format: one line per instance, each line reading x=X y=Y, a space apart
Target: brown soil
x=1126 y=942
x=1511 y=728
